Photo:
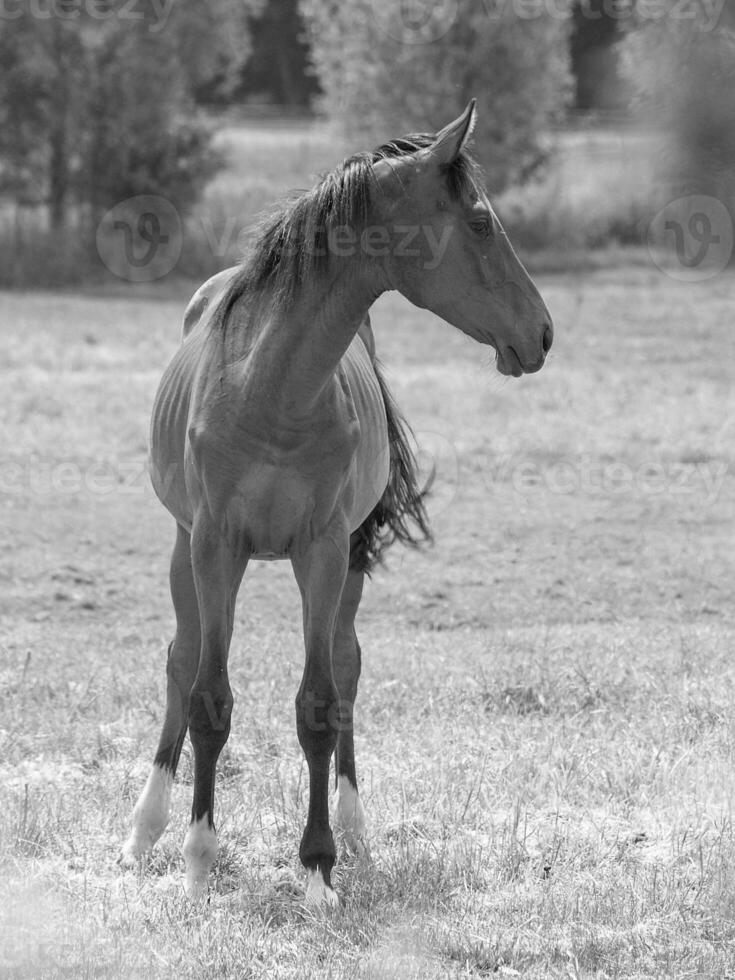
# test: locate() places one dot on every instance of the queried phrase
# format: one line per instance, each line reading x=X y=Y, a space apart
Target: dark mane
x=291 y=243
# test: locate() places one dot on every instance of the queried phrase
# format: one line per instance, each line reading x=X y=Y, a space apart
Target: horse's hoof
x=196 y=889
x=319 y=896
x=131 y=856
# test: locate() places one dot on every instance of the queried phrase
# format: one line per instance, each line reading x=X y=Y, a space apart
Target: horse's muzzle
x=512 y=363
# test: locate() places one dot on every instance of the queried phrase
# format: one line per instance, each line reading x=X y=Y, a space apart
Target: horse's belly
x=168 y=435
x=372 y=469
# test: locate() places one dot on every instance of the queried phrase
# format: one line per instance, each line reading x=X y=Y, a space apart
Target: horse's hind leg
x=350 y=816
x=151 y=812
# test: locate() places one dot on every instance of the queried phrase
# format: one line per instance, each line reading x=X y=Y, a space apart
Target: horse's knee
x=210 y=714
x=183 y=659
x=317 y=722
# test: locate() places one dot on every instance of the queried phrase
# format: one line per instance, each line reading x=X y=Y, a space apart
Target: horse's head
x=449 y=252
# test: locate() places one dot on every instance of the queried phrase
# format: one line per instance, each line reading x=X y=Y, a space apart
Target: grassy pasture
x=544 y=729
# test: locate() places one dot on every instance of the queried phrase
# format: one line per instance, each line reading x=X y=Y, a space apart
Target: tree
x=279 y=65
x=213 y=43
x=596 y=31
x=96 y=100
x=386 y=69
x=140 y=134
x=683 y=68
x=40 y=89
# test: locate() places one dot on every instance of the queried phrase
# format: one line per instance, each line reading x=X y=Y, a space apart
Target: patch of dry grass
x=544 y=728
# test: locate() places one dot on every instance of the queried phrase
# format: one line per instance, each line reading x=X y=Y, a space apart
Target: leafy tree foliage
x=278 y=68
x=597 y=27
x=132 y=141
x=96 y=99
x=213 y=42
x=383 y=75
x=683 y=68
x=41 y=90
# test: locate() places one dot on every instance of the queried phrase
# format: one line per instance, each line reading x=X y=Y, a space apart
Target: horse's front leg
x=346 y=656
x=151 y=812
x=218 y=566
x=320 y=569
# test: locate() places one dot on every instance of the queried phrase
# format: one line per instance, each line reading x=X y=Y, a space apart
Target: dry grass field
x=545 y=725
x=544 y=730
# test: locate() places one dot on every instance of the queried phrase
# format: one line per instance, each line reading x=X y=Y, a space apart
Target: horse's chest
x=277 y=497
x=276 y=479
x=279 y=494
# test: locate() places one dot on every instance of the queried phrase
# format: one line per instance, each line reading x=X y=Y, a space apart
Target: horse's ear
x=451 y=140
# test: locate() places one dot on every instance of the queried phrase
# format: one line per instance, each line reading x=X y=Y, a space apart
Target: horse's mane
x=291 y=242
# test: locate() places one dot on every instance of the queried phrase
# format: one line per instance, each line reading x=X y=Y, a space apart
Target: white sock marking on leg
x=200 y=853
x=318 y=894
x=150 y=815
x=350 y=818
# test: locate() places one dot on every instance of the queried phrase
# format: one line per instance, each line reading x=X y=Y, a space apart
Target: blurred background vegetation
x=593 y=115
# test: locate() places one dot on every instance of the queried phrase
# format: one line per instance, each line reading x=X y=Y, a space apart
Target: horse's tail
x=400 y=514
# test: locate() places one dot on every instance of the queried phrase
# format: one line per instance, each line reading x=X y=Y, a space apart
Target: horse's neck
x=301 y=344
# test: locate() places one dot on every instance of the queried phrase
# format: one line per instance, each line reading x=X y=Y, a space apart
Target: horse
x=274 y=436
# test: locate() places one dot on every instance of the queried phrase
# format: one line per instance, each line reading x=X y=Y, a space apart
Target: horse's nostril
x=548 y=337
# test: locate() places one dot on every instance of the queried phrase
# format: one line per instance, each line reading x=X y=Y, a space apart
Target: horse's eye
x=481 y=227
